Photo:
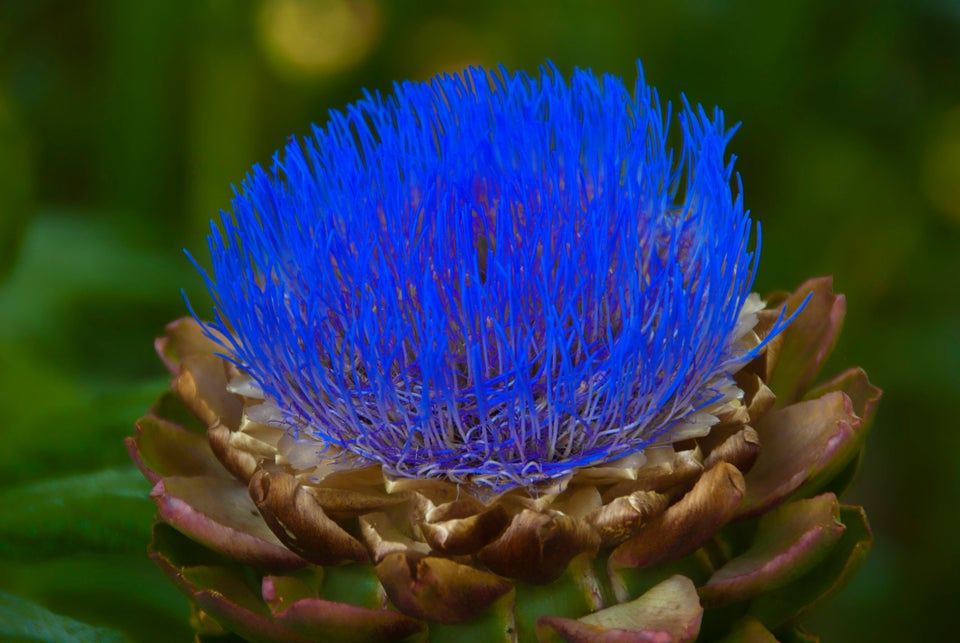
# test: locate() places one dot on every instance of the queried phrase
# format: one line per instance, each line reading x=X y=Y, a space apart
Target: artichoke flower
x=485 y=364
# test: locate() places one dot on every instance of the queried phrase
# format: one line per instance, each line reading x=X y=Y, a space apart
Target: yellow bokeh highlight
x=940 y=169
x=313 y=38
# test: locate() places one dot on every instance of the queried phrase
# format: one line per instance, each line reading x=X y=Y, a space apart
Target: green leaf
x=108 y=510
x=126 y=592
x=57 y=424
x=78 y=314
x=68 y=258
x=23 y=620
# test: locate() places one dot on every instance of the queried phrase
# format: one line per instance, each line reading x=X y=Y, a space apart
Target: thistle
x=485 y=362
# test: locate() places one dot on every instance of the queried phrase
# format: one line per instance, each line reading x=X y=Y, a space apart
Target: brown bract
x=343 y=552
x=299 y=520
x=537 y=547
x=438 y=589
x=687 y=524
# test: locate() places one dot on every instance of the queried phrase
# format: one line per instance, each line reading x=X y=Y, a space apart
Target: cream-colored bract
x=267 y=432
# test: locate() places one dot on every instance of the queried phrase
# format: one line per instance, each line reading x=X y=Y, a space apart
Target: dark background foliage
x=123 y=125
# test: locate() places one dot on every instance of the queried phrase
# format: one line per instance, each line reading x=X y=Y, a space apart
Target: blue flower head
x=490 y=278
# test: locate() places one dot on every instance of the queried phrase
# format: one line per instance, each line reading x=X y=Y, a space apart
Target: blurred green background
x=123 y=125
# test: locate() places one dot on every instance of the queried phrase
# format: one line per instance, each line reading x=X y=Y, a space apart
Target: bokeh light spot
x=306 y=39
x=940 y=170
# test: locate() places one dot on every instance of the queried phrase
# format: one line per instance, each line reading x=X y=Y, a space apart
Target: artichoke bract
x=485 y=364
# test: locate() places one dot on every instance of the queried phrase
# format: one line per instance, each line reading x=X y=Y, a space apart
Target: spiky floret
x=490 y=277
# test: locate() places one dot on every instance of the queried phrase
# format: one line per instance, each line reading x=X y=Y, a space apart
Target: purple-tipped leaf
x=803 y=443
x=789 y=541
x=218 y=513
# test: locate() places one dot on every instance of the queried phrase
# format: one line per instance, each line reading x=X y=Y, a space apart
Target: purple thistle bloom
x=490 y=277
